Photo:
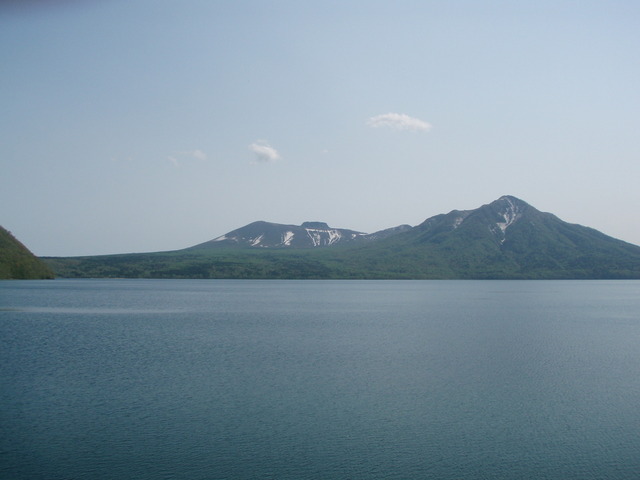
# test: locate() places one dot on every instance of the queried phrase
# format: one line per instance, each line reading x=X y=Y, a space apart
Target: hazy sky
x=137 y=126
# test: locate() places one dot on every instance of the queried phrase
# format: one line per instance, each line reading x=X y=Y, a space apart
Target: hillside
x=505 y=239
x=17 y=262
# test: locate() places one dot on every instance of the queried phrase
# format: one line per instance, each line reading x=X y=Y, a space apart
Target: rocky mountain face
x=497 y=217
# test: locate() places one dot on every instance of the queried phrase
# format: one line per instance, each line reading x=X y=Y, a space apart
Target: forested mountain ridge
x=508 y=238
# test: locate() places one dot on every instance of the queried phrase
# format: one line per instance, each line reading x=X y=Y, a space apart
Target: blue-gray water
x=163 y=379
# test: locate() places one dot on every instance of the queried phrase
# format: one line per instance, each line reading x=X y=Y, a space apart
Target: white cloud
x=198 y=154
x=399 y=121
x=176 y=157
x=264 y=152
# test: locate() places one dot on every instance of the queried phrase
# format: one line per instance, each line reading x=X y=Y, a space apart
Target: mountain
x=508 y=238
x=505 y=239
x=17 y=262
x=275 y=235
x=308 y=235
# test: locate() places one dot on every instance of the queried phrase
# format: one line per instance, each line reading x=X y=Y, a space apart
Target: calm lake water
x=205 y=379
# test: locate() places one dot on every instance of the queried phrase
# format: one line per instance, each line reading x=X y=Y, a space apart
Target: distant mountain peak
x=274 y=235
x=510 y=209
x=266 y=235
x=510 y=198
x=510 y=202
x=316 y=225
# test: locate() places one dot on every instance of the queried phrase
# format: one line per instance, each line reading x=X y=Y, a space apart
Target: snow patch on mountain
x=323 y=237
x=334 y=236
x=510 y=213
x=256 y=241
x=287 y=237
x=314 y=236
x=510 y=216
x=457 y=221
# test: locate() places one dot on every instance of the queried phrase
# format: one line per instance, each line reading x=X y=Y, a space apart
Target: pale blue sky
x=136 y=126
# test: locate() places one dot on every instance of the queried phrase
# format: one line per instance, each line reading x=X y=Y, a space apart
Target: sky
x=153 y=125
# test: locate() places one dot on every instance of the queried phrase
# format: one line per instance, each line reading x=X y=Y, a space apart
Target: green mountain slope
x=17 y=262
x=506 y=239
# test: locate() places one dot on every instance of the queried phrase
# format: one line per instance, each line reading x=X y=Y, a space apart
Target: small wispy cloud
x=264 y=152
x=398 y=121
x=177 y=157
x=197 y=154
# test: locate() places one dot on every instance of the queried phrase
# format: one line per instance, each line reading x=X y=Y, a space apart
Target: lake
x=224 y=379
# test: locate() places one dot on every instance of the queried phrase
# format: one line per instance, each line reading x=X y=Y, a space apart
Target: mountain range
x=307 y=235
x=505 y=239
